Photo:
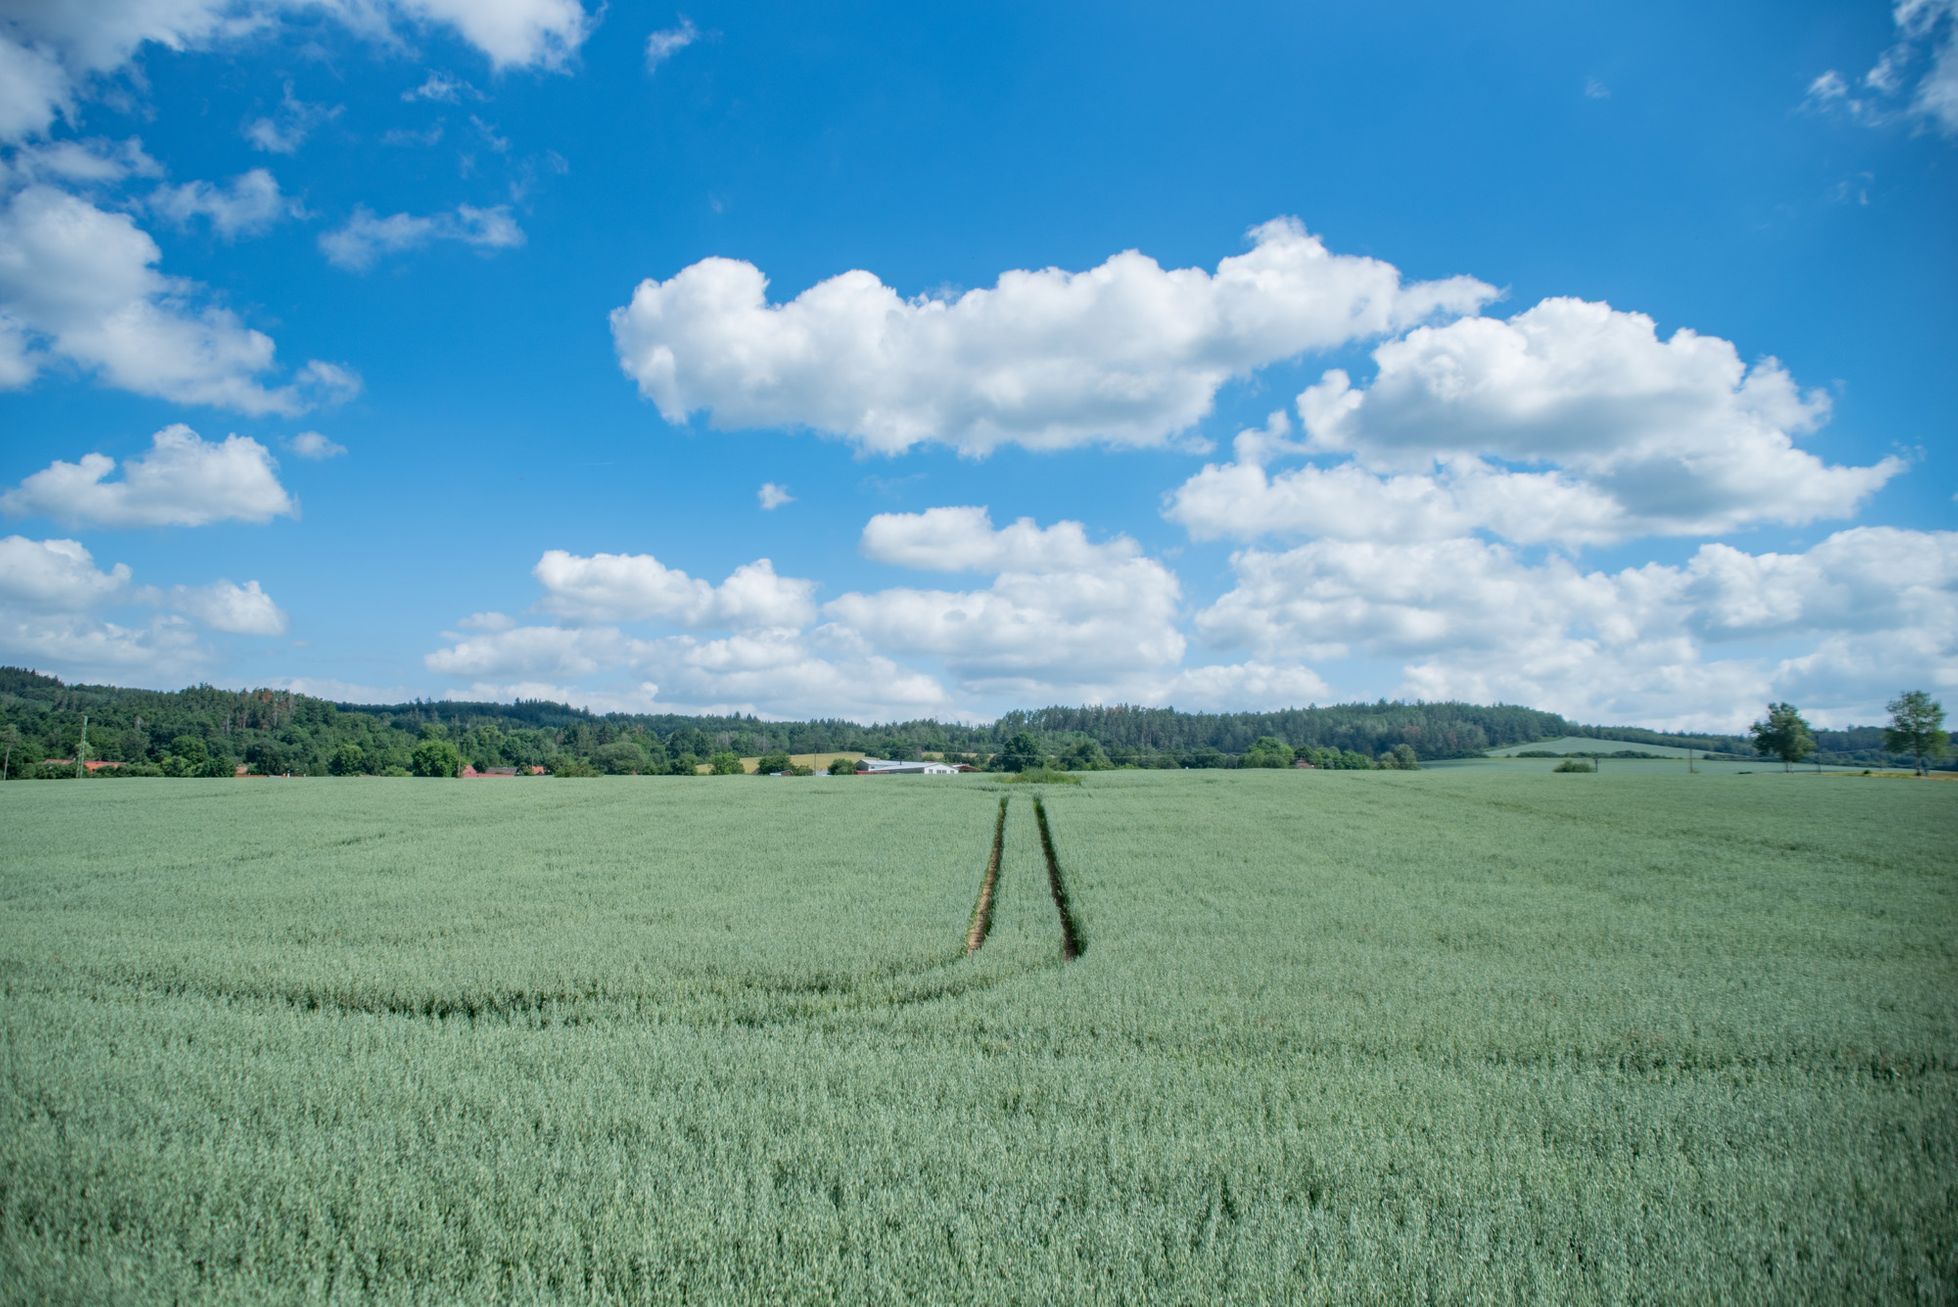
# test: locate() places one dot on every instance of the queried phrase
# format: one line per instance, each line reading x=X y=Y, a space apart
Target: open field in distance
x=1590 y=744
x=1477 y=1031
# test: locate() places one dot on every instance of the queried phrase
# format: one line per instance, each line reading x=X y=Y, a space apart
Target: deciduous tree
x=1021 y=752
x=1916 y=727
x=435 y=757
x=1784 y=735
x=1268 y=751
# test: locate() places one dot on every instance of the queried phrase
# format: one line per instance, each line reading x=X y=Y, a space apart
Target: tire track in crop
x=1073 y=943
x=982 y=912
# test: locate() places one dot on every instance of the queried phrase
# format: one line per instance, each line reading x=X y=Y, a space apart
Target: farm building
x=891 y=767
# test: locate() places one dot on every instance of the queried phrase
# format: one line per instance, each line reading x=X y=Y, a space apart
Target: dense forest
x=204 y=731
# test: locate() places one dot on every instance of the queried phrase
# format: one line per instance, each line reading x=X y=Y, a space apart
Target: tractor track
x=1073 y=943
x=982 y=911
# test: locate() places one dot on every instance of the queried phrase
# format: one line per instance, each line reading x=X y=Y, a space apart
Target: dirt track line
x=982 y=912
x=1073 y=945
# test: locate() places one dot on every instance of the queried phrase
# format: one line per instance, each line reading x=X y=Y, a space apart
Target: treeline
x=204 y=731
x=1852 y=746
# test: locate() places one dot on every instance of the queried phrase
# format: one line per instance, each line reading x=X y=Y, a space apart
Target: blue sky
x=1592 y=358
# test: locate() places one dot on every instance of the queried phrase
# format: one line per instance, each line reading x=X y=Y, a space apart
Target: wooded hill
x=207 y=731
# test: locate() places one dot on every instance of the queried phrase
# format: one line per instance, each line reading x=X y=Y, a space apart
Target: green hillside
x=1589 y=745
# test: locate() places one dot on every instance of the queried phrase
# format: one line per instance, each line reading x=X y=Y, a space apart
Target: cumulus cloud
x=1693 y=645
x=630 y=587
x=772 y=496
x=249 y=206
x=34 y=89
x=55 y=575
x=1620 y=434
x=512 y=33
x=238 y=609
x=312 y=445
x=366 y=237
x=1060 y=610
x=963 y=539
x=666 y=42
x=50 y=53
x=58 y=612
x=1239 y=687
x=1062 y=618
x=1126 y=353
x=183 y=481
x=79 y=284
x=773 y=673
x=159 y=652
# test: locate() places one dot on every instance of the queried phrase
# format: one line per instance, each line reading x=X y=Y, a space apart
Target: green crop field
x=1590 y=744
x=1467 y=1033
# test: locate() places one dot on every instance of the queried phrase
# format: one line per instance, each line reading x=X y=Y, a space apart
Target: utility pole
x=81 y=750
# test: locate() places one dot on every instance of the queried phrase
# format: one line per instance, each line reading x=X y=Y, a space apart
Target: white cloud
x=183 y=481
x=1828 y=87
x=284 y=131
x=405 y=139
x=440 y=88
x=1596 y=90
x=33 y=90
x=48 y=50
x=91 y=162
x=312 y=445
x=1127 y=353
x=52 y=601
x=499 y=144
x=513 y=33
x=541 y=651
x=51 y=52
x=487 y=622
x=251 y=205
x=773 y=673
x=773 y=496
x=633 y=587
x=365 y=238
x=1894 y=87
x=963 y=539
x=1060 y=610
x=1936 y=97
x=158 y=654
x=55 y=575
x=1702 y=644
x=239 y=609
x=1634 y=435
x=669 y=41
x=18 y=366
x=338 y=691
x=81 y=284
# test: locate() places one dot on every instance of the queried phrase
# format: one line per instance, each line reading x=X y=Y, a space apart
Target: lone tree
x=1916 y=727
x=1021 y=753
x=1783 y=735
x=435 y=757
